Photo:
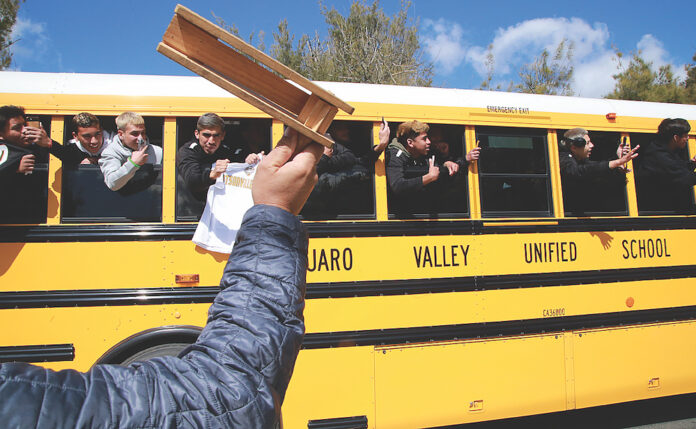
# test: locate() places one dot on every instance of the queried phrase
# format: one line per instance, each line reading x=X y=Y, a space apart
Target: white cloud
x=443 y=43
x=516 y=45
x=519 y=44
x=652 y=50
x=31 y=39
x=594 y=77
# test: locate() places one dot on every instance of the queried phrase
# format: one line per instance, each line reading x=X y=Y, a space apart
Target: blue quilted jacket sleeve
x=235 y=375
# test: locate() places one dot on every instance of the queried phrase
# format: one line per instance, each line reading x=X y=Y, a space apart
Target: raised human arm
x=116 y=173
x=236 y=373
x=626 y=155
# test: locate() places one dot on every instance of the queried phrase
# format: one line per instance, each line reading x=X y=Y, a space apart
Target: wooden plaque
x=226 y=60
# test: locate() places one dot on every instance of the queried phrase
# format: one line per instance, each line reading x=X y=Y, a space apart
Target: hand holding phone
x=140 y=156
x=384 y=132
x=33 y=121
x=623 y=148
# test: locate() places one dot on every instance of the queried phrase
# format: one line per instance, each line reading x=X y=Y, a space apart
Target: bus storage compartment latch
x=476 y=405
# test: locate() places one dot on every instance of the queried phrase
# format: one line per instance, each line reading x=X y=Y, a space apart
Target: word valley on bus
x=440 y=256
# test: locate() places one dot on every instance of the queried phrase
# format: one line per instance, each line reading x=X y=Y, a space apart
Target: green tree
x=549 y=75
x=8 y=17
x=690 y=82
x=365 y=46
x=638 y=81
x=282 y=47
x=369 y=46
x=490 y=71
x=544 y=75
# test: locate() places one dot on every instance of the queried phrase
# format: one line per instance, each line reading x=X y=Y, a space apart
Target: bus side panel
x=469 y=381
x=331 y=383
x=91 y=330
x=106 y=265
x=629 y=364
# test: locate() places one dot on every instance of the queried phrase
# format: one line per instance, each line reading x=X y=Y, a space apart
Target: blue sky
x=121 y=36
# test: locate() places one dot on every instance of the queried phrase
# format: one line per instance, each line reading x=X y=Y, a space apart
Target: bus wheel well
x=162 y=341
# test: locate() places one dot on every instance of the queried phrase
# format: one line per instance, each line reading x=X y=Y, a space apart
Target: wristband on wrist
x=133 y=162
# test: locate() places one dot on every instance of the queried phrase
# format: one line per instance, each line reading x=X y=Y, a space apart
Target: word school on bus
x=646 y=248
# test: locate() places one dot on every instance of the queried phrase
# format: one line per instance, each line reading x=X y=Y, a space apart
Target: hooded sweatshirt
x=116 y=166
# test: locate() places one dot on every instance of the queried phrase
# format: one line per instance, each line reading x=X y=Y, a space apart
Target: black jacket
x=590 y=186
x=440 y=158
x=407 y=194
x=23 y=197
x=194 y=166
x=234 y=376
x=665 y=180
x=342 y=159
x=69 y=154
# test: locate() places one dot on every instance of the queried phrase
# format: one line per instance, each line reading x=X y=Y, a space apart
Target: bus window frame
x=67 y=136
x=567 y=214
x=372 y=216
x=689 y=150
x=181 y=140
x=445 y=215
x=510 y=131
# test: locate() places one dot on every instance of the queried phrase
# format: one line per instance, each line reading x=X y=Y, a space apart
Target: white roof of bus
x=194 y=86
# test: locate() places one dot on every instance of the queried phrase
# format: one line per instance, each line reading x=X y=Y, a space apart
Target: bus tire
x=171 y=349
x=155 y=342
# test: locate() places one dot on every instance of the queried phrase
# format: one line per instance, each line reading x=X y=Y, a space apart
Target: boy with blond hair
x=128 y=151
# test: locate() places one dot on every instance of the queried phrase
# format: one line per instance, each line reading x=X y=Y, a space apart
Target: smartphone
x=33 y=121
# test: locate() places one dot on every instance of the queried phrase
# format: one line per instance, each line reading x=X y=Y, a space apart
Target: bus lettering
x=330 y=260
x=551 y=251
x=508 y=109
x=554 y=312
x=440 y=256
x=646 y=248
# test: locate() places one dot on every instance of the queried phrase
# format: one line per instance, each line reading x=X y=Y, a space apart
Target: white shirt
x=227 y=201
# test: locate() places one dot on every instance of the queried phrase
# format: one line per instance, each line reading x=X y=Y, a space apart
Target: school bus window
x=345 y=188
x=25 y=196
x=86 y=198
x=600 y=192
x=513 y=172
x=656 y=193
x=240 y=137
x=447 y=197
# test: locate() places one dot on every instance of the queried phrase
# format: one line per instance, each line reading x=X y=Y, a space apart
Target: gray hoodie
x=116 y=167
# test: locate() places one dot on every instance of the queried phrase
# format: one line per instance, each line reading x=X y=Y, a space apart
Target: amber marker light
x=186 y=278
x=630 y=301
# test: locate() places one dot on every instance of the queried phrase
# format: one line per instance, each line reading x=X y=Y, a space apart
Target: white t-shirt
x=227 y=201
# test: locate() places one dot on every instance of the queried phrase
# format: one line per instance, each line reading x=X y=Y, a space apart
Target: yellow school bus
x=491 y=302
